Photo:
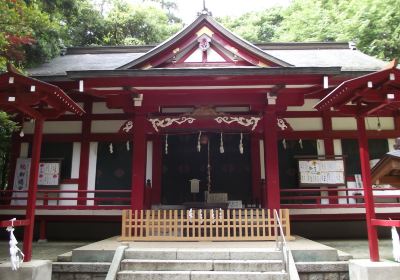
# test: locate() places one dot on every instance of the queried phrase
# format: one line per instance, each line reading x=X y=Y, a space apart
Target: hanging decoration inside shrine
x=111 y=148
x=198 y=142
x=241 y=143
x=284 y=144
x=166 y=144
x=301 y=144
x=127 y=146
x=221 y=146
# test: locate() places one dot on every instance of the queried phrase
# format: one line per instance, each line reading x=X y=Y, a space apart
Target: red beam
x=16 y=223
x=385 y=223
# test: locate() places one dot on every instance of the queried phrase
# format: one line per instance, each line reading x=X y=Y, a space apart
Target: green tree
x=137 y=24
x=7 y=127
x=256 y=27
x=372 y=24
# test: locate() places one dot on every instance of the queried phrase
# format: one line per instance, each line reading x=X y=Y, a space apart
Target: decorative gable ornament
x=204 y=43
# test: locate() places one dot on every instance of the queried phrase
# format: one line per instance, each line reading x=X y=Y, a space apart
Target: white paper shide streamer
x=16 y=255
x=396 y=244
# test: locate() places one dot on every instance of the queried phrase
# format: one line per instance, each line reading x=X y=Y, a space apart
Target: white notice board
x=49 y=173
x=321 y=172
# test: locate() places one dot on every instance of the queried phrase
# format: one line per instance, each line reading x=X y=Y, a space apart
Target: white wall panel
x=56 y=127
x=387 y=123
x=347 y=123
x=92 y=170
x=106 y=126
x=24 y=150
x=76 y=158
x=101 y=108
x=308 y=106
x=391 y=143
x=149 y=161
x=262 y=163
x=68 y=187
x=337 y=147
x=305 y=124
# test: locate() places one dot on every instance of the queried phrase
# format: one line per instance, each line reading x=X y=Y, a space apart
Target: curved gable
x=204 y=43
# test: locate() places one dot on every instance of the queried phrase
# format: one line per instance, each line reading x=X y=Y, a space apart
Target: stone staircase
x=201 y=263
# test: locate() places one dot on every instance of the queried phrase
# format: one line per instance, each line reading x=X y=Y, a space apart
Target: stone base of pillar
x=362 y=269
x=33 y=270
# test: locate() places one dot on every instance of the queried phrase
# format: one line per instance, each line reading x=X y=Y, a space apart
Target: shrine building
x=203 y=120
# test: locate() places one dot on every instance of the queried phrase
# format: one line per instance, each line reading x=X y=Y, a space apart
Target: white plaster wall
x=308 y=106
x=76 y=158
x=347 y=123
x=55 y=127
x=387 y=123
x=106 y=126
x=305 y=124
x=262 y=163
x=337 y=147
x=101 y=108
x=391 y=143
x=68 y=187
x=24 y=150
x=371 y=123
x=149 y=161
x=320 y=147
x=92 y=171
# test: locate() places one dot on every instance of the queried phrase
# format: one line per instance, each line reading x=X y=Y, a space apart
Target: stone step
x=201 y=265
x=202 y=254
x=200 y=275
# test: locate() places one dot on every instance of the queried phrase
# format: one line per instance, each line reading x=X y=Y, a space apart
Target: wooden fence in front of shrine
x=203 y=225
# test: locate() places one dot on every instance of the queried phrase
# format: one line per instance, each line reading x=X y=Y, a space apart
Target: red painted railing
x=68 y=199
x=337 y=197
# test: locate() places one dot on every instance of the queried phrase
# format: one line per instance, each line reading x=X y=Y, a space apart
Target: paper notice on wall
x=21 y=181
x=49 y=174
x=326 y=172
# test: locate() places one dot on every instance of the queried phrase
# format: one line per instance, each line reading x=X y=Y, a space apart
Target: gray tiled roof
x=76 y=62
x=348 y=59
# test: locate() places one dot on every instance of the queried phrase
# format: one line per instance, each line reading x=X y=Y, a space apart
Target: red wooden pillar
x=272 y=190
x=33 y=179
x=255 y=168
x=328 y=141
x=138 y=163
x=84 y=157
x=157 y=170
x=368 y=195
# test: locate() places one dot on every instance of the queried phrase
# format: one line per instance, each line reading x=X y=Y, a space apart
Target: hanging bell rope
x=241 y=143
x=166 y=144
x=198 y=143
x=221 y=146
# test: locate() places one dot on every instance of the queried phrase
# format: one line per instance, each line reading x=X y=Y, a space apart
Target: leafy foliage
x=7 y=127
x=256 y=27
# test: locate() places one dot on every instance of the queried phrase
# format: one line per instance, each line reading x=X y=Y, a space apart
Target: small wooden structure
x=203 y=225
x=38 y=101
x=371 y=94
x=387 y=170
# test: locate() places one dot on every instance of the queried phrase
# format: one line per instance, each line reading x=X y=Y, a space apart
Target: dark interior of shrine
x=230 y=171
